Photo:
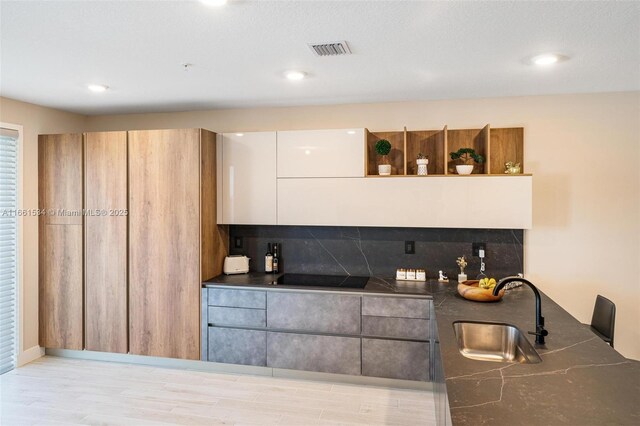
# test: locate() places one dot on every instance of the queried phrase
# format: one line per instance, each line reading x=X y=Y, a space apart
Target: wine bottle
x=276 y=259
x=268 y=260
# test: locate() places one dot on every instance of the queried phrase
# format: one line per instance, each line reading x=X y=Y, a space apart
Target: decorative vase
x=384 y=168
x=464 y=169
x=422 y=166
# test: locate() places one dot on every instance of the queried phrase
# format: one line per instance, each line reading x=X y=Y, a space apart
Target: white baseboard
x=29 y=355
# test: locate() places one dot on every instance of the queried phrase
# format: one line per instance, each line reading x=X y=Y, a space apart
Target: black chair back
x=603 y=321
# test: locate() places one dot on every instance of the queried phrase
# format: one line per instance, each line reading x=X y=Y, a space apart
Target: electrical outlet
x=409 y=247
x=476 y=247
x=238 y=242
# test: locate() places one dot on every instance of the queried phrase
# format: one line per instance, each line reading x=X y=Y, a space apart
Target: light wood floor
x=55 y=391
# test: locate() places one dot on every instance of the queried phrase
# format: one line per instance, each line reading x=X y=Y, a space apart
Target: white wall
x=584 y=152
x=35 y=120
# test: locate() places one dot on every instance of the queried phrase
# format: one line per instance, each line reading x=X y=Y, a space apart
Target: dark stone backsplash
x=378 y=252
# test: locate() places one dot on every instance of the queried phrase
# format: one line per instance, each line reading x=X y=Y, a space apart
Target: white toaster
x=236 y=264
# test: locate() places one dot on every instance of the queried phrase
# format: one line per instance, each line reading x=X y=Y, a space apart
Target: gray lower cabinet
x=324 y=313
x=237 y=298
x=327 y=354
x=365 y=335
x=237 y=316
x=237 y=346
x=402 y=328
x=400 y=307
x=395 y=359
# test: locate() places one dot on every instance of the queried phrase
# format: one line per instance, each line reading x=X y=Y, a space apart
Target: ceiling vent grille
x=331 y=49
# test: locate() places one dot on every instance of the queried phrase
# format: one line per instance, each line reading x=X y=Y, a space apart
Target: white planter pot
x=384 y=169
x=465 y=169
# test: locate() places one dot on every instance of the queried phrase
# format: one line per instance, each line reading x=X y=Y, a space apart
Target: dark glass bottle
x=276 y=259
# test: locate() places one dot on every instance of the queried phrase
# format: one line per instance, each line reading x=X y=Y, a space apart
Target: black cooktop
x=343 y=281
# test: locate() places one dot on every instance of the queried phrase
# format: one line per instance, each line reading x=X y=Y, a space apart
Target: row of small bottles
x=272 y=259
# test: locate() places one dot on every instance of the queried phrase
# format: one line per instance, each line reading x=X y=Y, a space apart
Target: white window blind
x=8 y=247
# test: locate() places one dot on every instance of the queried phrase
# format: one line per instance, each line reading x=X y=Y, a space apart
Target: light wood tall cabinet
x=129 y=235
x=60 y=248
x=105 y=240
x=171 y=187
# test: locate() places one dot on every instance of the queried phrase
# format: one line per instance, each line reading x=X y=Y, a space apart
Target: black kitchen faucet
x=540 y=331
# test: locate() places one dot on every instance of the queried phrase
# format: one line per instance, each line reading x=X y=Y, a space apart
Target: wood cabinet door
x=60 y=241
x=60 y=178
x=164 y=243
x=105 y=187
x=60 y=289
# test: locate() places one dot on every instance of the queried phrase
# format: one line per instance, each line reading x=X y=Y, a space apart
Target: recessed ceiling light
x=295 y=75
x=214 y=3
x=547 y=59
x=239 y=134
x=351 y=132
x=97 y=88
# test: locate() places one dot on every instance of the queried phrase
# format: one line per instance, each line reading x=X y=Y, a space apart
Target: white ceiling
x=402 y=50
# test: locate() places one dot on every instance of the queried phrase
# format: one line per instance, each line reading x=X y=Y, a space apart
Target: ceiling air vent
x=331 y=49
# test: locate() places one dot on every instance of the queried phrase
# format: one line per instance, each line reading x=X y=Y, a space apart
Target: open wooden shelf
x=496 y=145
x=396 y=156
x=478 y=139
x=431 y=143
x=505 y=145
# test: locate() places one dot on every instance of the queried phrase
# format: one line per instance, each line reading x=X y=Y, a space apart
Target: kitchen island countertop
x=580 y=381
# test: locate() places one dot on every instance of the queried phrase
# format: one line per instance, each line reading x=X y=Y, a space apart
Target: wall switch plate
x=409 y=247
x=238 y=242
x=477 y=247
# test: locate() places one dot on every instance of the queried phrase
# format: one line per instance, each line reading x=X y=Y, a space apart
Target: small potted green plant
x=466 y=156
x=383 y=148
x=422 y=161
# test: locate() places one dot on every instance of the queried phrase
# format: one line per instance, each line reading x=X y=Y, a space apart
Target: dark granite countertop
x=580 y=381
x=375 y=285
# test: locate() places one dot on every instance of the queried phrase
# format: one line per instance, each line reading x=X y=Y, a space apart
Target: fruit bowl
x=471 y=290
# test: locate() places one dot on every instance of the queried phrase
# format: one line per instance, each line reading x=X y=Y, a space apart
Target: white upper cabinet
x=321 y=153
x=434 y=202
x=247 y=178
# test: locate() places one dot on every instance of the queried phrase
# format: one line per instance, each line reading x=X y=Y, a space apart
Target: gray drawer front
x=325 y=313
x=237 y=316
x=395 y=359
x=233 y=346
x=395 y=307
x=328 y=354
x=403 y=328
x=237 y=298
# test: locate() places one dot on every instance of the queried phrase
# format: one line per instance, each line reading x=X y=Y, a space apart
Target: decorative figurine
x=511 y=168
x=462 y=263
x=442 y=277
x=422 y=162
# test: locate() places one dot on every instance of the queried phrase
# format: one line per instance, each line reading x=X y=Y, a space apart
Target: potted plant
x=383 y=148
x=466 y=156
x=422 y=161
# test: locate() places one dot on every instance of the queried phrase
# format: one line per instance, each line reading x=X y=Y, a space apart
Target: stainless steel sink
x=490 y=341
